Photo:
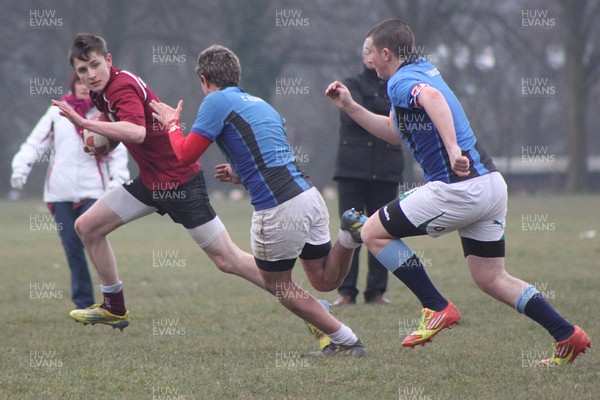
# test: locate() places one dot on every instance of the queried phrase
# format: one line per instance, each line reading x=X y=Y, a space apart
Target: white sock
x=345 y=239
x=116 y=288
x=343 y=336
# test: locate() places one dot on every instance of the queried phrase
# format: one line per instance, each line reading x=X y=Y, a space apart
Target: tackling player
x=165 y=184
x=463 y=192
x=290 y=219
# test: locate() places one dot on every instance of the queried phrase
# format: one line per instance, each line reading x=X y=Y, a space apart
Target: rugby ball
x=97 y=144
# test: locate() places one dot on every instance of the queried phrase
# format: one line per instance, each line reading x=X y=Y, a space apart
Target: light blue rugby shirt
x=418 y=132
x=252 y=136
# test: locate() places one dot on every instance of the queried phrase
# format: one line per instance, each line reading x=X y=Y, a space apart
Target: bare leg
x=92 y=227
x=374 y=235
x=299 y=301
x=491 y=277
x=232 y=260
x=327 y=273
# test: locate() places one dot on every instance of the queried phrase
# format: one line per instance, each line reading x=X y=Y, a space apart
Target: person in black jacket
x=368 y=174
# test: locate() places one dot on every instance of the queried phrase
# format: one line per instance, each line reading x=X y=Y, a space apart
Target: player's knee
x=279 y=286
x=229 y=264
x=273 y=287
x=90 y=228
x=327 y=286
x=367 y=233
x=82 y=227
x=486 y=282
x=324 y=286
x=318 y=282
x=488 y=273
x=223 y=264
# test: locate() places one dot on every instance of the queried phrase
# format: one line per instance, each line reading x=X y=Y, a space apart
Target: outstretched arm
x=187 y=148
x=378 y=125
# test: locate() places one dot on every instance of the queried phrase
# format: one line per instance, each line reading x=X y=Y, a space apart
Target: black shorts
x=395 y=221
x=187 y=204
x=309 y=252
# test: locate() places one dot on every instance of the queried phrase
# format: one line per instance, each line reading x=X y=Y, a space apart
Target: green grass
x=232 y=341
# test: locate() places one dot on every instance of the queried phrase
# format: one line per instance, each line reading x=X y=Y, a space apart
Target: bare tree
x=323 y=47
x=582 y=72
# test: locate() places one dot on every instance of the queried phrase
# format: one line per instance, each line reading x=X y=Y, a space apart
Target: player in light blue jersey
x=463 y=192
x=290 y=219
x=417 y=129
x=251 y=135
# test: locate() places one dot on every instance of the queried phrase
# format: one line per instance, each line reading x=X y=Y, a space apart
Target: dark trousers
x=82 y=291
x=367 y=196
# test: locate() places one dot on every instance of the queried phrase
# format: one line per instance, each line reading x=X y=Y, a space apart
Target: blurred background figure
x=368 y=173
x=74 y=179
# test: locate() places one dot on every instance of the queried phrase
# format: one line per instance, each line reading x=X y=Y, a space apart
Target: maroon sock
x=114 y=303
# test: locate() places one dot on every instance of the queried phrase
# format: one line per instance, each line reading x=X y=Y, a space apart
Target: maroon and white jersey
x=127 y=98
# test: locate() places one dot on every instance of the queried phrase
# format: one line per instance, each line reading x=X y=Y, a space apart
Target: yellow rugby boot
x=95 y=314
x=432 y=323
x=318 y=334
x=566 y=351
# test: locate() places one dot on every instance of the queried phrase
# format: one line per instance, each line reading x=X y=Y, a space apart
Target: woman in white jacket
x=74 y=179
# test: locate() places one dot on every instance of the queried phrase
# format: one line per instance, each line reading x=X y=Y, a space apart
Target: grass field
x=199 y=334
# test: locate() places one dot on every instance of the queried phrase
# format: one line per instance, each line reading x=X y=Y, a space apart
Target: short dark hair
x=220 y=66
x=396 y=35
x=85 y=43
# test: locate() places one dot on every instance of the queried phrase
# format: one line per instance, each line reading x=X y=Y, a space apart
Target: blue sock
x=532 y=303
x=400 y=260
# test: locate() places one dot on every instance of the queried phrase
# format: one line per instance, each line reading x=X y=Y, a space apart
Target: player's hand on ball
x=96 y=144
x=224 y=173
